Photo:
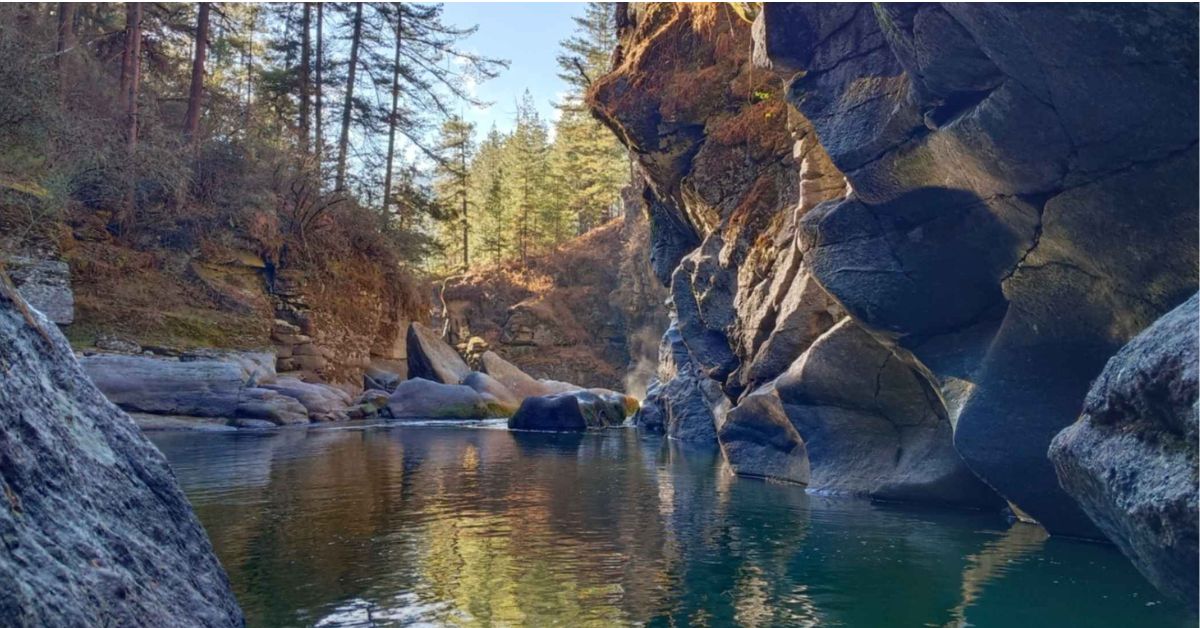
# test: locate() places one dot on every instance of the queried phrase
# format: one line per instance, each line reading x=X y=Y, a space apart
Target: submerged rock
x=429 y=357
x=1131 y=459
x=96 y=530
x=423 y=399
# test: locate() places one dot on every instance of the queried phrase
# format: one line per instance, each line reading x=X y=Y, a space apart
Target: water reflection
x=475 y=527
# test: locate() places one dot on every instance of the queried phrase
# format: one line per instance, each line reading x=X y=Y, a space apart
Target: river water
x=474 y=526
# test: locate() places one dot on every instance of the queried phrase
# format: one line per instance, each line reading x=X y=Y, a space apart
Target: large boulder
x=322 y=401
x=423 y=399
x=429 y=357
x=758 y=440
x=551 y=413
x=503 y=402
x=96 y=530
x=510 y=376
x=1131 y=459
x=872 y=425
x=206 y=388
x=683 y=403
x=263 y=404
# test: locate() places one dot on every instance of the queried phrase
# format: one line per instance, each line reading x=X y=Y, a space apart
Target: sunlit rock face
x=1130 y=460
x=1000 y=196
x=95 y=528
x=731 y=168
x=1016 y=215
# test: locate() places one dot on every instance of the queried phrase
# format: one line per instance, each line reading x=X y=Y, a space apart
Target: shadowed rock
x=758 y=440
x=96 y=530
x=1131 y=459
x=872 y=426
x=429 y=357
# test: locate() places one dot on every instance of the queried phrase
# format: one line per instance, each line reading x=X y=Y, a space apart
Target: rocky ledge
x=96 y=531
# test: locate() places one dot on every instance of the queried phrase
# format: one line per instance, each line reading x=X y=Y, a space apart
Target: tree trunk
x=319 y=139
x=391 y=149
x=348 y=104
x=191 y=121
x=462 y=184
x=66 y=42
x=305 y=60
x=131 y=56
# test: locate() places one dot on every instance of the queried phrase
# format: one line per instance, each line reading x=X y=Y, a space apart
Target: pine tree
x=453 y=184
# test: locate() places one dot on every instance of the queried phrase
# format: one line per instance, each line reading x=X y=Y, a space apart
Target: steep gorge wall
x=999 y=197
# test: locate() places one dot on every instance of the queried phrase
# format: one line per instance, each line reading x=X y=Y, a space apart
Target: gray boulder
x=206 y=388
x=96 y=530
x=423 y=399
x=510 y=376
x=263 y=404
x=322 y=401
x=758 y=440
x=429 y=357
x=1131 y=459
x=503 y=402
x=872 y=426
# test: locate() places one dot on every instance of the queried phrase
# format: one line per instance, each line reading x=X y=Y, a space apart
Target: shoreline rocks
x=96 y=528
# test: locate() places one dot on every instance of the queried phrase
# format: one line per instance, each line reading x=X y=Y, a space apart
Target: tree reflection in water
x=461 y=526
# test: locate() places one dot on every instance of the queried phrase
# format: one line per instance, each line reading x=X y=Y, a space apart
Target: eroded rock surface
x=1131 y=459
x=419 y=398
x=997 y=214
x=96 y=531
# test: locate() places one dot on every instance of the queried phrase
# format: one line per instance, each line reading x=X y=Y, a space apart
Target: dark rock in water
x=96 y=531
x=1131 y=459
x=163 y=386
x=423 y=399
x=872 y=425
x=429 y=357
x=758 y=440
x=552 y=413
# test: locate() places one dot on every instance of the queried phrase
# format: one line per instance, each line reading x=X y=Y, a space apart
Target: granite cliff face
x=95 y=529
x=922 y=228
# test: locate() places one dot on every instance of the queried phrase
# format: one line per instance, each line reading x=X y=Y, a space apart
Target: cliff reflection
x=373 y=526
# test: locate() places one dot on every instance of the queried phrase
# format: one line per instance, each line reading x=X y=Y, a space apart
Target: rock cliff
x=95 y=529
x=924 y=228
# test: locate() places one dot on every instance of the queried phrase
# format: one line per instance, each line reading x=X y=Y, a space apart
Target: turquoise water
x=386 y=525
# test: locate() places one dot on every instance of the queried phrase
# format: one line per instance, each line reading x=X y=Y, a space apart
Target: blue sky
x=526 y=34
